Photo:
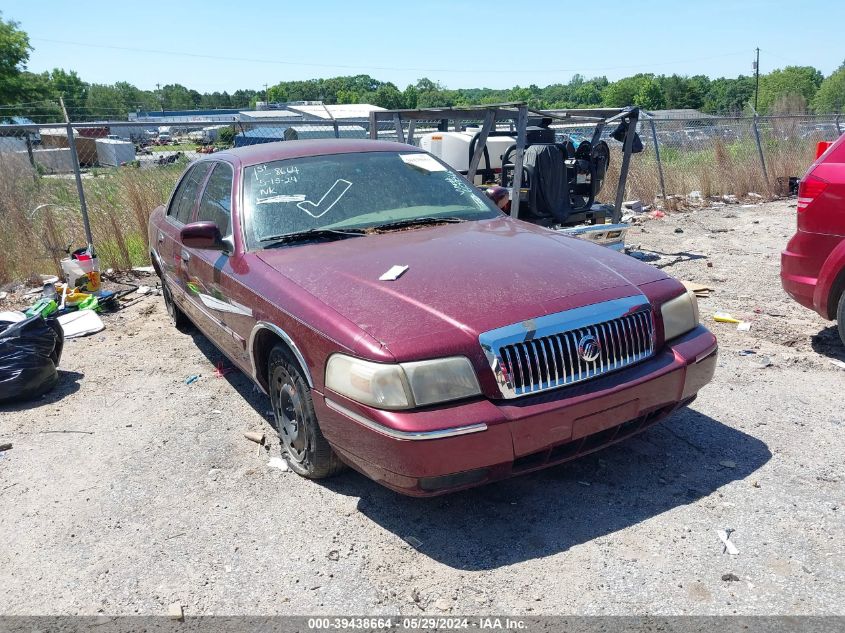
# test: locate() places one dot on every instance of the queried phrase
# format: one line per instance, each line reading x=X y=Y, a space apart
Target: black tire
x=840 y=317
x=177 y=317
x=304 y=448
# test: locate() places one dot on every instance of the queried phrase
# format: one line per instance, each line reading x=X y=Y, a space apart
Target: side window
x=216 y=203
x=185 y=196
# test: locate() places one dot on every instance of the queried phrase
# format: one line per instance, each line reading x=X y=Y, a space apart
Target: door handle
x=185 y=255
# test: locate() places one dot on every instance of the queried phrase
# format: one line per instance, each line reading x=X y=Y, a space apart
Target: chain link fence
x=125 y=169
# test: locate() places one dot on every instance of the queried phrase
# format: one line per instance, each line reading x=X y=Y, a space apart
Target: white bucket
x=75 y=269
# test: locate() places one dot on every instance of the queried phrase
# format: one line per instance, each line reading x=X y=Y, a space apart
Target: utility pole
x=266 y=98
x=160 y=100
x=756 y=78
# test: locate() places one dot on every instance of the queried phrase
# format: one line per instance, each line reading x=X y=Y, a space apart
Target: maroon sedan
x=403 y=325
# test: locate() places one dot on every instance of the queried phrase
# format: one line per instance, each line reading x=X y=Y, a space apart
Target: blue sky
x=539 y=42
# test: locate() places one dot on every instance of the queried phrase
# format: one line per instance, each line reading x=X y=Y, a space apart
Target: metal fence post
x=516 y=190
x=657 y=156
x=74 y=157
x=759 y=148
x=400 y=133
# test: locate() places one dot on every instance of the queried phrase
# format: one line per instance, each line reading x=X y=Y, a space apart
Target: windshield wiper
x=310 y=234
x=414 y=222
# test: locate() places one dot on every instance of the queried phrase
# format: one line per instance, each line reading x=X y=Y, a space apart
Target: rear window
x=354 y=191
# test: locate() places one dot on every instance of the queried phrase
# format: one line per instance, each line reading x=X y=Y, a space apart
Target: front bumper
x=486 y=440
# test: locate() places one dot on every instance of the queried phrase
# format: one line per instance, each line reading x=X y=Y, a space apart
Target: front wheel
x=303 y=446
x=840 y=317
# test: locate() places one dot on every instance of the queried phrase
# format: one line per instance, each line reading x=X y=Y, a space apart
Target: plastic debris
x=724 y=317
x=254 y=436
x=393 y=273
x=147 y=270
x=724 y=536
x=43 y=307
x=699 y=290
x=3 y=295
x=191 y=379
x=413 y=541
x=220 y=370
x=838 y=363
x=80 y=323
x=743 y=326
x=762 y=362
x=176 y=612
x=144 y=290
x=12 y=317
x=278 y=462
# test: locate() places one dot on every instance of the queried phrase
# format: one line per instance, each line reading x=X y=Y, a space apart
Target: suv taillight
x=809 y=189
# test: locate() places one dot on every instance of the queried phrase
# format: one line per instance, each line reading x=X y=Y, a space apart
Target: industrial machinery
x=557 y=160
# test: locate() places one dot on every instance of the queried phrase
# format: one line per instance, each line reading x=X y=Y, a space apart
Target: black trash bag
x=30 y=351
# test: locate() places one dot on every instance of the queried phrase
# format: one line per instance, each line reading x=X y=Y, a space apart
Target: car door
x=209 y=270
x=180 y=212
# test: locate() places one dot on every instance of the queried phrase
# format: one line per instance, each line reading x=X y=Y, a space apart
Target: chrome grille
x=543 y=353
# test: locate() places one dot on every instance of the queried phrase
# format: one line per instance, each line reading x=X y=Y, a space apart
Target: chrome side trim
x=405 y=435
x=263 y=325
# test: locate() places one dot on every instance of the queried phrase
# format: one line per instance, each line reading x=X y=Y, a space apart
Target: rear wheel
x=303 y=446
x=177 y=317
x=840 y=317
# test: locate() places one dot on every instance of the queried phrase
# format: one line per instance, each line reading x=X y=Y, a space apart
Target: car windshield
x=354 y=191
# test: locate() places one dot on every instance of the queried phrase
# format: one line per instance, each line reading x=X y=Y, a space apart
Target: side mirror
x=204 y=235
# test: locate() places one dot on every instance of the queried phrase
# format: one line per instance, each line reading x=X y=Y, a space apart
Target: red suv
x=813 y=264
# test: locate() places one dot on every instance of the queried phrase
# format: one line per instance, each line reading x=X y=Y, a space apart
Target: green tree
x=728 y=96
x=681 y=92
x=410 y=96
x=105 y=102
x=178 y=97
x=650 y=96
x=795 y=80
x=830 y=96
x=68 y=85
x=624 y=92
x=388 y=96
x=14 y=53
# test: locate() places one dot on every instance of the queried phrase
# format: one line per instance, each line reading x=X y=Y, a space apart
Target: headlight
x=680 y=315
x=402 y=386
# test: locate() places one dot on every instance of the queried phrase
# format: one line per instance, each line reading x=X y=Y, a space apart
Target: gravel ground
x=161 y=499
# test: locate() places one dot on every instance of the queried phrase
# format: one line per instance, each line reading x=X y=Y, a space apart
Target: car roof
x=266 y=152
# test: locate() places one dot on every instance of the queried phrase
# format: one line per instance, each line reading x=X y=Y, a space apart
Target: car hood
x=462 y=279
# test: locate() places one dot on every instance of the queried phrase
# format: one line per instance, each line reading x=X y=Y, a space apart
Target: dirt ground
x=150 y=495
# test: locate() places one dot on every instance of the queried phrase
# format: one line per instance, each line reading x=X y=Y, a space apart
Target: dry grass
x=42 y=219
x=719 y=170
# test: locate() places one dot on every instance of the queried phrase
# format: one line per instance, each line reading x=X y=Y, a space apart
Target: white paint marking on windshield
x=329 y=199
x=282 y=198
